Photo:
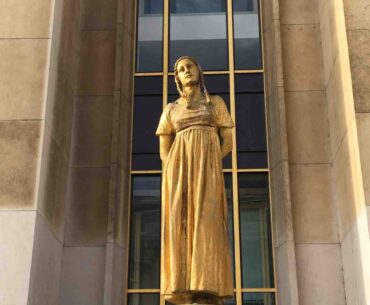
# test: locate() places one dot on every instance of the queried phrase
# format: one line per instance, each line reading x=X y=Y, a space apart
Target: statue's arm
x=165 y=143
x=226 y=141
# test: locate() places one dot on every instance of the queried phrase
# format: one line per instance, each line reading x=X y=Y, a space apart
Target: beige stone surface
x=307 y=127
x=23 y=73
x=357 y=14
x=363 y=128
x=299 y=12
x=16 y=242
x=314 y=215
x=368 y=216
x=329 y=35
x=302 y=57
x=359 y=53
x=344 y=189
x=336 y=108
x=127 y=64
x=286 y=273
x=87 y=206
x=46 y=266
x=355 y=258
x=25 y=19
x=92 y=131
x=320 y=278
x=53 y=188
x=96 y=63
x=362 y=100
x=19 y=148
x=82 y=280
x=98 y=14
x=128 y=15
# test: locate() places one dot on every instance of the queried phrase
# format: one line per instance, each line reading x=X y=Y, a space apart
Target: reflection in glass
x=198 y=29
x=230 y=217
x=255 y=231
x=149 y=36
x=255 y=298
x=143 y=299
x=246 y=35
x=145 y=226
x=250 y=121
x=147 y=111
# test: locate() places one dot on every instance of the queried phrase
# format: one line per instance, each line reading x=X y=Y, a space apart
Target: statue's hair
x=201 y=79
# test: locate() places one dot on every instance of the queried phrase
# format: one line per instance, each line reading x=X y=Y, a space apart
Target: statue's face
x=187 y=72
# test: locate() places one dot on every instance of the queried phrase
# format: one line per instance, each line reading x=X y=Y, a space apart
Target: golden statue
x=195 y=134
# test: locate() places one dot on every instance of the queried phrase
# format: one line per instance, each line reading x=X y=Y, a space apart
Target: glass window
x=230 y=215
x=143 y=299
x=247 y=47
x=255 y=231
x=148 y=99
x=149 y=36
x=198 y=29
x=144 y=254
x=250 y=121
x=258 y=299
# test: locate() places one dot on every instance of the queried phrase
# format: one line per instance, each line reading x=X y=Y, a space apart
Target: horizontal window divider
x=143 y=290
x=248 y=71
x=258 y=290
x=253 y=170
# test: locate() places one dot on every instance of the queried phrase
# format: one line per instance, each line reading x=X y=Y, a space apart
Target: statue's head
x=189 y=73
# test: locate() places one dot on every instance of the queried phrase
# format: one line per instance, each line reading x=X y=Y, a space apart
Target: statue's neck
x=193 y=92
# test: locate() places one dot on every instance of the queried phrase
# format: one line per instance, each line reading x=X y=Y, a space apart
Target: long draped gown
x=195 y=246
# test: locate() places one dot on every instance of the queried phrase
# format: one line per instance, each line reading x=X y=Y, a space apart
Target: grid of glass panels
x=225 y=37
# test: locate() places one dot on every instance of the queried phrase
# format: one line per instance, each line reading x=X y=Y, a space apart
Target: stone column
x=25 y=35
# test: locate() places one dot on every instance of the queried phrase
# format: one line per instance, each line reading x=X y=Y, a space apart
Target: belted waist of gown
x=202 y=127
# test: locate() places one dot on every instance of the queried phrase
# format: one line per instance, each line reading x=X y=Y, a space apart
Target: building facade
x=79 y=174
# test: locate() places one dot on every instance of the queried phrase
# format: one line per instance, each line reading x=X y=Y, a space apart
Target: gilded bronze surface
x=195 y=134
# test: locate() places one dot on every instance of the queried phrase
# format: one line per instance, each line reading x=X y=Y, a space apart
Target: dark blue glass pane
x=148 y=107
x=256 y=298
x=149 y=36
x=247 y=44
x=255 y=231
x=198 y=29
x=143 y=299
x=144 y=255
x=250 y=121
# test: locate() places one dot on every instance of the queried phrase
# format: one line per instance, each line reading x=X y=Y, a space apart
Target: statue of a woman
x=195 y=134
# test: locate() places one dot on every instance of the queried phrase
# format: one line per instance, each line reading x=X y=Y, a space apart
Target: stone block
x=307 y=127
x=286 y=274
x=299 y=12
x=25 y=19
x=92 y=131
x=83 y=276
x=320 y=278
x=336 y=108
x=46 y=266
x=302 y=57
x=359 y=50
x=96 y=66
x=19 y=149
x=362 y=100
x=314 y=214
x=16 y=242
x=98 y=14
x=363 y=128
x=357 y=14
x=53 y=188
x=329 y=35
x=23 y=73
x=87 y=206
x=343 y=188
x=127 y=64
x=128 y=15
